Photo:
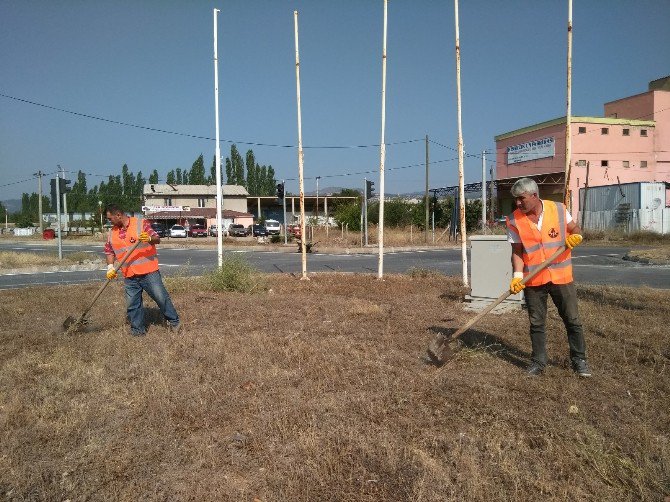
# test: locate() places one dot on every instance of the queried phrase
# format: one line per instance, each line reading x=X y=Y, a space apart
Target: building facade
x=631 y=143
x=164 y=196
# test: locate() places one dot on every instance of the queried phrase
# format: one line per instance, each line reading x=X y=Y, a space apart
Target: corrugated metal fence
x=629 y=220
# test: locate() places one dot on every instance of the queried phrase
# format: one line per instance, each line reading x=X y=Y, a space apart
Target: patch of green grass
x=236 y=274
x=422 y=273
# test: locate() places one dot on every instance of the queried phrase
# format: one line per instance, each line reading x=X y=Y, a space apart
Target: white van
x=273 y=227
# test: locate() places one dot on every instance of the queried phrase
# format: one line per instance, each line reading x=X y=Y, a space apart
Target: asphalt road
x=594 y=265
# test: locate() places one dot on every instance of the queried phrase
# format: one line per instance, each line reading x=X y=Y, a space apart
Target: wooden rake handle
x=507 y=293
x=104 y=284
x=437 y=347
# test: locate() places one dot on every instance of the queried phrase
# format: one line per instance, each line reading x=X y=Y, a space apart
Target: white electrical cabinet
x=491 y=269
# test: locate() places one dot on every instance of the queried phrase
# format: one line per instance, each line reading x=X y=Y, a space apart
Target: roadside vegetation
x=313 y=390
x=13 y=259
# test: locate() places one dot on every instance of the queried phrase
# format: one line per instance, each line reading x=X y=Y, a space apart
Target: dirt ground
x=313 y=390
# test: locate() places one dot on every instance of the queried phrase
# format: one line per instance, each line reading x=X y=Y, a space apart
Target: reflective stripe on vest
x=538 y=245
x=143 y=260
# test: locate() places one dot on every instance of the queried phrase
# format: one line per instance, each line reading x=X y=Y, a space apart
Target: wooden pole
x=303 y=247
x=461 y=183
x=382 y=153
x=568 y=116
x=217 y=150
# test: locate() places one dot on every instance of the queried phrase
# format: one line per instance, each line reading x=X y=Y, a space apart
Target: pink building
x=631 y=143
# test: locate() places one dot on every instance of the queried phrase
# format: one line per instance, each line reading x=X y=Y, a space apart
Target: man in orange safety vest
x=536 y=229
x=140 y=270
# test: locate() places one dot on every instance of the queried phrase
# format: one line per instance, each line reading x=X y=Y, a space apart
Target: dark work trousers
x=564 y=297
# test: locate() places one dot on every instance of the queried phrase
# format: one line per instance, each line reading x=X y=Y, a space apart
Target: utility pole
x=39 y=202
x=425 y=198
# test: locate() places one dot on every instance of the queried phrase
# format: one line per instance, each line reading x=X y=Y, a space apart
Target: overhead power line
x=195 y=136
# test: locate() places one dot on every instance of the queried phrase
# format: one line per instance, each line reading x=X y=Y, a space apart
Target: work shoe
x=535 y=369
x=580 y=367
x=175 y=328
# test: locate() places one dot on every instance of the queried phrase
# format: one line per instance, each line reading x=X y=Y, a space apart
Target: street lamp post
x=100 y=209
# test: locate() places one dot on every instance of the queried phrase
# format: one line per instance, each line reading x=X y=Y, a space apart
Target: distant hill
x=329 y=191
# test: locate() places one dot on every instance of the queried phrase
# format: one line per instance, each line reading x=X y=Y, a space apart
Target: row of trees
x=127 y=188
x=401 y=213
x=257 y=179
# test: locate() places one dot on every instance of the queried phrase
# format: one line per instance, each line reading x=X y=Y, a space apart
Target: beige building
x=189 y=204
x=164 y=197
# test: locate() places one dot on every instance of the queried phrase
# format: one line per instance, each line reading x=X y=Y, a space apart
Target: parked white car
x=273 y=226
x=177 y=231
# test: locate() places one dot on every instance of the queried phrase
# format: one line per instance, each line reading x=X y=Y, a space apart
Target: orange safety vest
x=538 y=245
x=143 y=260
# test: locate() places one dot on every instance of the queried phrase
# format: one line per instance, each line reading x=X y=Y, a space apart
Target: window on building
x=605 y=130
x=167 y=201
x=626 y=164
x=582 y=130
x=201 y=202
x=626 y=132
x=643 y=164
x=604 y=163
x=581 y=163
x=643 y=132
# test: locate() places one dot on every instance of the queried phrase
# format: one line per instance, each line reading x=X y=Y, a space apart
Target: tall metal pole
x=217 y=148
x=284 y=206
x=484 y=191
x=568 y=117
x=67 y=216
x=425 y=198
x=303 y=247
x=586 y=192
x=365 y=209
x=39 y=202
x=492 y=199
x=317 y=200
x=60 y=243
x=461 y=185
x=382 y=153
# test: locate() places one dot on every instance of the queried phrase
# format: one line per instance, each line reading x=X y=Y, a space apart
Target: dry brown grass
x=654 y=256
x=12 y=259
x=393 y=237
x=314 y=391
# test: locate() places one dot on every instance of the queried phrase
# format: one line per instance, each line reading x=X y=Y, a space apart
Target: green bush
x=236 y=274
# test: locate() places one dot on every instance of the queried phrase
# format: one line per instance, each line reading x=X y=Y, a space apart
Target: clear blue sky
x=150 y=63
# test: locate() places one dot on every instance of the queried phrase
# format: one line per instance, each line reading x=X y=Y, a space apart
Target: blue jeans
x=564 y=297
x=153 y=284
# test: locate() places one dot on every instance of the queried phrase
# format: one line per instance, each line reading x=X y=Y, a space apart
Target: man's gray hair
x=525 y=185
